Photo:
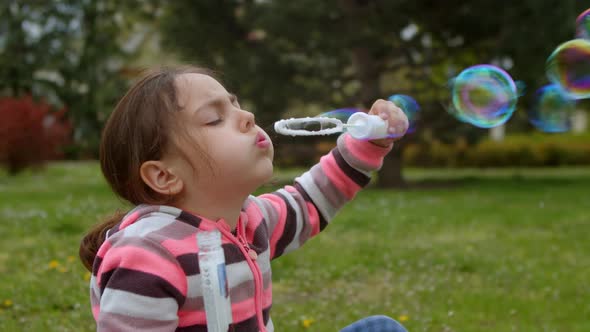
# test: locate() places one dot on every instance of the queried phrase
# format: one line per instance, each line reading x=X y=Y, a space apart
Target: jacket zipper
x=245 y=249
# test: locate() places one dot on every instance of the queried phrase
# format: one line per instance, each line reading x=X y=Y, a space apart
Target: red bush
x=30 y=133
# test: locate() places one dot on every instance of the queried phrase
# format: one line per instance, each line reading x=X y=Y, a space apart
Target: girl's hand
x=398 y=121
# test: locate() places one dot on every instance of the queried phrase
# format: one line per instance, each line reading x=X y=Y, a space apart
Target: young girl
x=179 y=147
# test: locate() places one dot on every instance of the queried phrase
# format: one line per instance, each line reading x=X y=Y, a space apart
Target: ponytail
x=94 y=239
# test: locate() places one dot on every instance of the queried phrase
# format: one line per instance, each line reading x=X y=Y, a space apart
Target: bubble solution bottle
x=364 y=126
x=214 y=281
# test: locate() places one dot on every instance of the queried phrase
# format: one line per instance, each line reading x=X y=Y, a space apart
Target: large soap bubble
x=569 y=67
x=484 y=96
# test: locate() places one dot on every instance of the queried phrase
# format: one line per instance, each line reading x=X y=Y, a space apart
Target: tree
x=71 y=53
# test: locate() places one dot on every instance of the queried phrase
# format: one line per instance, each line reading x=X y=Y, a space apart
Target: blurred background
x=65 y=64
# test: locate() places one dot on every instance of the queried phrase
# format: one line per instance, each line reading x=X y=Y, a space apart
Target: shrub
x=30 y=133
x=528 y=151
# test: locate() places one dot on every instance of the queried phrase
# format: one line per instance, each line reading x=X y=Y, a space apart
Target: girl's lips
x=261 y=141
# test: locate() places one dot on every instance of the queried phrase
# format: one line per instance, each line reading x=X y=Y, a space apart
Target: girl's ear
x=160 y=178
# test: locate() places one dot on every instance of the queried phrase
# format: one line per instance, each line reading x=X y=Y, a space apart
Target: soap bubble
x=409 y=106
x=484 y=96
x=341 y=114
x=569 y=66
x=552 y=109
x=583 y=25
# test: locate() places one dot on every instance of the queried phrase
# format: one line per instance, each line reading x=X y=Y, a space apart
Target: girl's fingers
x=386 y=110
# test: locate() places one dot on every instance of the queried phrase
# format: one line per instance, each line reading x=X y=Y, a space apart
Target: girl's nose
x=247 y=122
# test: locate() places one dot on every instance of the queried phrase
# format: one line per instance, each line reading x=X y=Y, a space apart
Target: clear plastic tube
x=214 y=281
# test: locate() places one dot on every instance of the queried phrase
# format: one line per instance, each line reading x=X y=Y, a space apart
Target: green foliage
x=474 y=250
x=279 y=55
x=302 y=152
x=274 y=52
x=70 y=53
x=517 y=150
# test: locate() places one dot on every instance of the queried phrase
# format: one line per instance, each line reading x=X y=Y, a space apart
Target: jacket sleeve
x=298 y=212
x=136 y=286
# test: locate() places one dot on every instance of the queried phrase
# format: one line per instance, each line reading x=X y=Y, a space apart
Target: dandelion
x=7 y=303
x=62 y=269
x=71 y=259
x=53 y=264
x=87 y=276
x=306 y=322
x=403 y=318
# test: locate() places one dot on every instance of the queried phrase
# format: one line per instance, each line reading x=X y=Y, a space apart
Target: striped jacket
x=146 y=274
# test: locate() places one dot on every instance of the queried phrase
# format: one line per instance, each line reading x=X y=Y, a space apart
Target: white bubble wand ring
x=360 y=126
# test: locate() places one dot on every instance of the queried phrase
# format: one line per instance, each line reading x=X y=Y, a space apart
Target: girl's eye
x=214 y=122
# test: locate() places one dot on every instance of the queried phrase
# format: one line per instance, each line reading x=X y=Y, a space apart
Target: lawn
x=471 y=250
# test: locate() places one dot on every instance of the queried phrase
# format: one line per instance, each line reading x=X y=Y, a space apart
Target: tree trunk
x=391 y=175
x=369 y=73
x=579 y=121
x=497 y=133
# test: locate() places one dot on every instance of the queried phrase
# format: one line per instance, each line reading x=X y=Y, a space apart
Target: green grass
x=472 y=250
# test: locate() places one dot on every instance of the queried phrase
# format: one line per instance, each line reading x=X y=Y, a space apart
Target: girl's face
x=238 y=153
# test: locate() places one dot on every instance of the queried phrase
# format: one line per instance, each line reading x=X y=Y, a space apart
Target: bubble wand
x=357 y=123
x=360 y=126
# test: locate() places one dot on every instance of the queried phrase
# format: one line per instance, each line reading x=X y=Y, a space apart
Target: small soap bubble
x=484 y=96
x=569 y=66
x=410 y=108
x=552 y=109
x=342 y=114
x=583 y=25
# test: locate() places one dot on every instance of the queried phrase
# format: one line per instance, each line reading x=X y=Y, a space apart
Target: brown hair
x=138 y=130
